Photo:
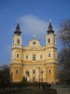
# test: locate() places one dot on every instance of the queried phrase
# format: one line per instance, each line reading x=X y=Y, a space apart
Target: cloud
x=33 y=25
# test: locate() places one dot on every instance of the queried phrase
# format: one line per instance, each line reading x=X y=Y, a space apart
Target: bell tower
x=17 y=38
x=16 y=56
x=51 y=55
x=51 y=37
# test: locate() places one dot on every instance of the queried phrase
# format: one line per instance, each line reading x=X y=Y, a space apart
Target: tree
x=64 y=54
x=64 y=61
x=4 y=76
x=64 y=33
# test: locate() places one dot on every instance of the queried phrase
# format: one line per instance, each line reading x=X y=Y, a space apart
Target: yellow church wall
x=36 y=75
x=45 y=64
x=16 y=77
x=31 y=53
x=50 y=76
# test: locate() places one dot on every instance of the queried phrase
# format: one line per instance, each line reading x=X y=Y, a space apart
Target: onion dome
x=17 y=31
x=50 y=30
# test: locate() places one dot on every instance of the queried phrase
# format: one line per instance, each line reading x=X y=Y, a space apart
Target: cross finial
x=50 y=20
x=34 y=35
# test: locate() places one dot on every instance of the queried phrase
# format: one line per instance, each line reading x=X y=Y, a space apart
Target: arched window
x=49 y=71
x=26 y=56
x=34 y=57
x=16 y=71
x=49 y=40
x=17 y=55
x=27 y=72
x=49 y=55
x=18 y=41
x=33 y=71
x=41 y=56
x=54 y=40
x=12 y=55
x=13 y=41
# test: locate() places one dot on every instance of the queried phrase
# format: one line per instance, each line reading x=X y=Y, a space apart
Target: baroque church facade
x=34 y=62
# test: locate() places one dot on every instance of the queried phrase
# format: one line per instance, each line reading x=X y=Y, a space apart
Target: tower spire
x=50 y=30
x=17 y=31
x=50 y=20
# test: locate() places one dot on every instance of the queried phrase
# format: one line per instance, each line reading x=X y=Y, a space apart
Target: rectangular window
x=48 y=40
x=49 y=55
x=27 y=72
x=26 y=56
x=16 y=71
x=17 y=55
x=34 y=57
x=49 y=71
x=41 y=56
x=54 y=40
x=33 y=71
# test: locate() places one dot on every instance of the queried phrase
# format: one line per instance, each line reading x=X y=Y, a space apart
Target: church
x=34 y=61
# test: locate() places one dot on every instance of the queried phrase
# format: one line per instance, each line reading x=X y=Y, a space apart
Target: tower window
x=54 y=40
x=18 y=41
x=48 y=40
x=49 y=71
x=13 y=41
x=17 y=55
x=12 y=55
x=16 y=71
x=34 y=57
x=49 y=55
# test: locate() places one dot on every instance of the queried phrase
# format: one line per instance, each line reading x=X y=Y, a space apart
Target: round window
x=34 y=43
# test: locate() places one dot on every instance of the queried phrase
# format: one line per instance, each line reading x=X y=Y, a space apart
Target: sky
x=33 y=17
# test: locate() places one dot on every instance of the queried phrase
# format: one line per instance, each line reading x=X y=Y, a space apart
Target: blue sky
x=33 y=17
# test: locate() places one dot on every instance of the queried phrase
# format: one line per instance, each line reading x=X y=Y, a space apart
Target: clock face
x=34 y=43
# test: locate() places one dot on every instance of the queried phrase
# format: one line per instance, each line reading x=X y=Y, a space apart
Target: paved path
x=62 y=89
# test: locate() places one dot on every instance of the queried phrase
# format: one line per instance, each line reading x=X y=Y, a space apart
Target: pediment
x=34 y=48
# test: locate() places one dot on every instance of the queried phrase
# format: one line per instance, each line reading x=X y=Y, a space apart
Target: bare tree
x=64 y=54
x=64 y=33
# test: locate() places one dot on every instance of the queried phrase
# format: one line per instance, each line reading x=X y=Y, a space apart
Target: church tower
x=16 y=55
x=17 y=38
x=51 y=56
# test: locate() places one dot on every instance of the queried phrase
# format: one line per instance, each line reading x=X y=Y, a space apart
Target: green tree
x=4 y=76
